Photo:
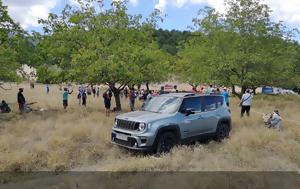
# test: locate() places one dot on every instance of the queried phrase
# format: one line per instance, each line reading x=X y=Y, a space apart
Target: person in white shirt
x=275 y=120
x=245 y=103
x=210 y=89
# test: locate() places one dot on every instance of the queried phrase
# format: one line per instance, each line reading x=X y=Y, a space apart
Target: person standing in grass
x=84 y=97
x=47 y=88
x=79 y=97
x=132 y=95
x=245 y=103
x=98 y=91
x=66 y=97
x=107 y=101
x=226 y=96
x=125 y=91
x=21 y=100
x=94 y=91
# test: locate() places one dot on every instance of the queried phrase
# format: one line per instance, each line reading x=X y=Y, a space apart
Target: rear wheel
x=166 y=142
x=222 y=132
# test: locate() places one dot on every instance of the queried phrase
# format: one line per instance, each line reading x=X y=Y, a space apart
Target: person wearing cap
x=275 y=120
x=21 y=100
x=226 y=96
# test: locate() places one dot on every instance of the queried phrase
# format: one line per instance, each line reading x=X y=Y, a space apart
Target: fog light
x=143 y=140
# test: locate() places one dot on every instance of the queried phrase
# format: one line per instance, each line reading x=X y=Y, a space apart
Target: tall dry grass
x=79 y=139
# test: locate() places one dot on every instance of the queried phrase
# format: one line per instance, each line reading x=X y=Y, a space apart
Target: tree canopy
x=241 y=47
x=8 y=55
x=16 y=47
x=110 y=47
x=99 y=44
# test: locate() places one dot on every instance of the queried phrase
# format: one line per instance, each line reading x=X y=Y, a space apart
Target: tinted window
x=210 y=103
x=194 y=103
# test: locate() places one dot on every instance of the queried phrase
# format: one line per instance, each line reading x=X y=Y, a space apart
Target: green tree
x=109 y=47
x=9 y=34
x=169 y=41
x=239 y=48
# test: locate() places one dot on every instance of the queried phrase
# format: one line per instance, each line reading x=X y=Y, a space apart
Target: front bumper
x=140 y=143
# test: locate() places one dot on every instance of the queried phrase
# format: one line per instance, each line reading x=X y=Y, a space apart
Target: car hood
x=143 y=116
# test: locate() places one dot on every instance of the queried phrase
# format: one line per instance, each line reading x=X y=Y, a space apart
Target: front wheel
x=166 y=142
x=222 y=132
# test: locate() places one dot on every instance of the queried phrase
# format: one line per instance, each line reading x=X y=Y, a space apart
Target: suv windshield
x=162 y=104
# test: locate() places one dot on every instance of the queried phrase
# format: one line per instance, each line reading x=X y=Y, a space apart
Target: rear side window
x=191 y=103
x=211 y=103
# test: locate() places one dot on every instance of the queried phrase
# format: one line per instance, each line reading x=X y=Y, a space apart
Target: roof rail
x=187 y=95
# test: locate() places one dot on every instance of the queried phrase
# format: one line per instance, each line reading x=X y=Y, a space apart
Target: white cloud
x=28 y=12
x=134 y=2
x=162 y=4
x=287 y=11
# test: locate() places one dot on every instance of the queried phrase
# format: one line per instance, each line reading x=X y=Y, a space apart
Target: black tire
x=166 y=142
x=222 y=132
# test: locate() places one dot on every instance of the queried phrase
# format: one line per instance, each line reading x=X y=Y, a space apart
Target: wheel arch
x=225 y=120
x=170 y=128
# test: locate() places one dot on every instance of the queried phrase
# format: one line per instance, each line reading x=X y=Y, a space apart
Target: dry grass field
x=79 y=139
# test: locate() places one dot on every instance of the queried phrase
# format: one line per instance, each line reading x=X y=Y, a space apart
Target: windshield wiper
x=150 y=111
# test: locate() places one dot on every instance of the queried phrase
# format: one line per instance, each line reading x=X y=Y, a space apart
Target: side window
x=219 y=100
x=211 y=103
x=194 y=103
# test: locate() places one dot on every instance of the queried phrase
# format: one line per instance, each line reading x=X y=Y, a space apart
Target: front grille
x=129 y=125
x=129 y=143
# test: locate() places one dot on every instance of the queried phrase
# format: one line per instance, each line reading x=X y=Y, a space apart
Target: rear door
x=210 y=113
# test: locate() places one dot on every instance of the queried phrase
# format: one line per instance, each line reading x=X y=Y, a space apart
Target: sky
x=179 y=12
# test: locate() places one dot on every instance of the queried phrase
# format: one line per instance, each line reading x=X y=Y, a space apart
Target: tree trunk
x=147 y=86
x=239 y=95
x=244 y=88
x=254 y=90
x=116 y=93
x=118 y=101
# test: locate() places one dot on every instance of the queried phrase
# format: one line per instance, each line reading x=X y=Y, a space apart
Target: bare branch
x=1 y=87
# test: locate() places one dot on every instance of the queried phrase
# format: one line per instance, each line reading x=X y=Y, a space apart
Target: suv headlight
x=116 y=123
x=142 y=126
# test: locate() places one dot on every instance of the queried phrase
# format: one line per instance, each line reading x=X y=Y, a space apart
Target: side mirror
x=188 y=111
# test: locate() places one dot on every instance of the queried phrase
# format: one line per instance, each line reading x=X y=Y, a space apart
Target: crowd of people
x=132 y=94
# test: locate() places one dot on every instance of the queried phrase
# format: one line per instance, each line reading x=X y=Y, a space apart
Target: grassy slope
x=79 y=139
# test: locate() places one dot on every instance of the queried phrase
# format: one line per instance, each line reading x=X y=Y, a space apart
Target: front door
x=191 y=124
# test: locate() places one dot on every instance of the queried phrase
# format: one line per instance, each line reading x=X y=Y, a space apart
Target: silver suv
x=171 y=119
